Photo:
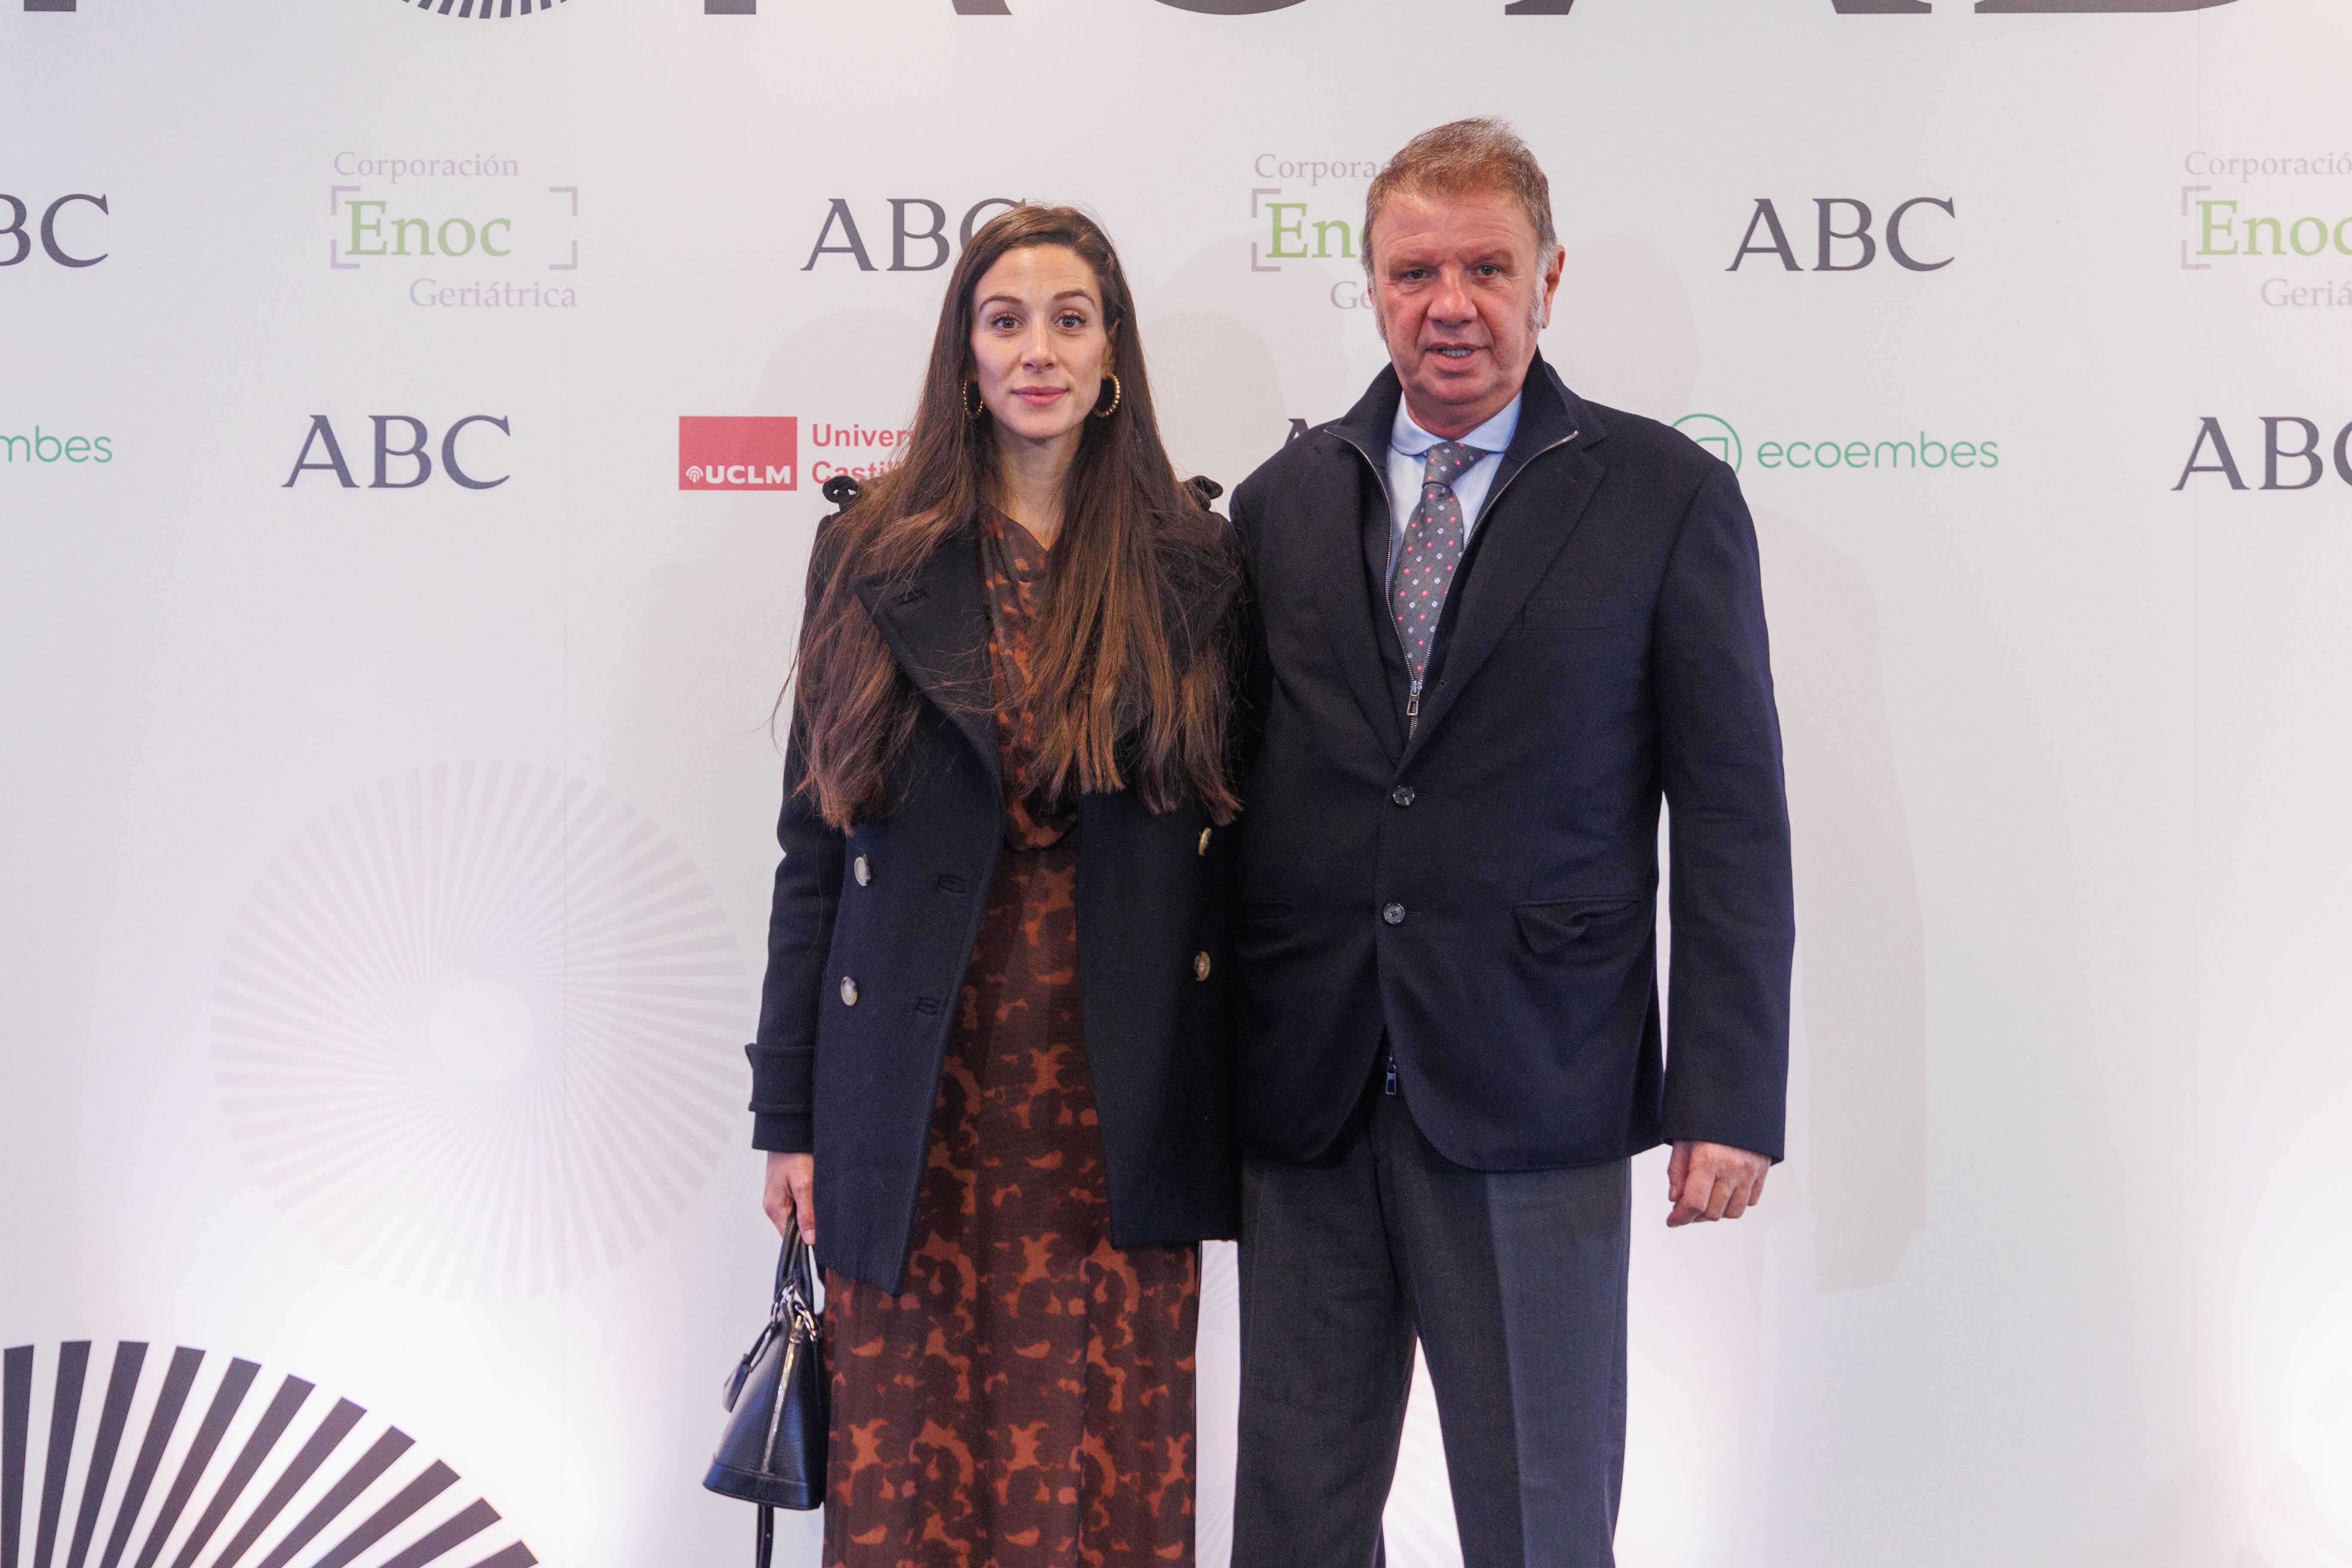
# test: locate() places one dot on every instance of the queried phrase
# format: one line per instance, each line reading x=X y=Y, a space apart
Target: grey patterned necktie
x=1424 y=569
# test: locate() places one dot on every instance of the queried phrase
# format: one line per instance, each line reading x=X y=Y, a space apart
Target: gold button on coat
x=863 y=872
x=848 y=992
x=1205 y=842
x=1200 y=966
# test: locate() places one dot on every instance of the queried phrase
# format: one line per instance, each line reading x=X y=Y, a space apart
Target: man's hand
x=790 y=1193
x=1704 y=1180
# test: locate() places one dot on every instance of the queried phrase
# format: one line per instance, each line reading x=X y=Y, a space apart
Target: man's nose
x=1451 y=301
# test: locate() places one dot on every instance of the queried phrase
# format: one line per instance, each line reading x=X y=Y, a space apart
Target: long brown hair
x=1131 y=691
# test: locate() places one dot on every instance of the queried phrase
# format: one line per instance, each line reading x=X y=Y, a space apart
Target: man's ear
x=1551 y=279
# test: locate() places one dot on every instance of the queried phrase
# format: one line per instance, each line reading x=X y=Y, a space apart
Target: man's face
x=1460 y=299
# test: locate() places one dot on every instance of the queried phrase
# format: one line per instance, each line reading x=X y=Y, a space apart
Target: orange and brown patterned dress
x=1029 y=1399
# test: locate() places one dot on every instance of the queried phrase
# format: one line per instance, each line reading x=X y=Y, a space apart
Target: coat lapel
x=1335 y=545
x=1528 y=521
x=935 y=625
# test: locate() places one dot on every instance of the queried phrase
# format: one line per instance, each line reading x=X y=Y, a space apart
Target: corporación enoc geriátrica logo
x=1901 y=452
x=761 y=452
x=2277 y=223
x=1304 y=213
x=476 y=232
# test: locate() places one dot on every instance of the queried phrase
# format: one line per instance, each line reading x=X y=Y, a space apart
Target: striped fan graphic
x=200 y=1455
x=480 y=10
x=478 y=1030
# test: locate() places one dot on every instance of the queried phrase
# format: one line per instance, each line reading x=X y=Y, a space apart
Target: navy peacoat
x=871 y=932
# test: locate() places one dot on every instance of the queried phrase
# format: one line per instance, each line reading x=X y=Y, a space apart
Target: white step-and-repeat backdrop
x=411 y=422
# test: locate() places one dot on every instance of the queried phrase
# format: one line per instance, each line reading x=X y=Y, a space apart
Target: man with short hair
x=1497 y=624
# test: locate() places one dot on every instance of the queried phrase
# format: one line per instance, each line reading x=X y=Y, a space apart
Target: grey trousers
x=1515 y=1285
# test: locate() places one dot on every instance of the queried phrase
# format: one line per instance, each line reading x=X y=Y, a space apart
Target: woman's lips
x=1038 y=396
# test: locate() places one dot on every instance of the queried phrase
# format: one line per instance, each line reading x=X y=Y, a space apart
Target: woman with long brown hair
x=992 y=1072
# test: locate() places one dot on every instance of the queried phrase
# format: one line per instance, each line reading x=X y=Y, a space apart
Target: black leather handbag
x=772 y=1452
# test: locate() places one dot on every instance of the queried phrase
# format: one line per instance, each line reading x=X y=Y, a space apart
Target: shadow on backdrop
x=1631 y=341
x=1229 y=388
x=717 y=642
x=1218 y=395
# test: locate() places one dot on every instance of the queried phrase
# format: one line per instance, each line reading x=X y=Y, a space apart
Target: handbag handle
x=792 y=1305
x=795 y=1293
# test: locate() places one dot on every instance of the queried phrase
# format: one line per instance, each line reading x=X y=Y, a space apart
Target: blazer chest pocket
x=1547 y=928
x=1574 y=615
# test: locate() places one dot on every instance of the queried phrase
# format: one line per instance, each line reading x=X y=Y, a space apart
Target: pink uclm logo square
x=738 y=452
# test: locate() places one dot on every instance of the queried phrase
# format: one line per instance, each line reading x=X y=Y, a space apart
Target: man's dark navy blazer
x=1478 y=885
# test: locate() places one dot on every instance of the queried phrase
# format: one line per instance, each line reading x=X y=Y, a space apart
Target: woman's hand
x=790 y=1193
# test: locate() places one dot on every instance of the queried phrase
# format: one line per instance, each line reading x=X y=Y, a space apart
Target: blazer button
x=1203 y=849
x=1200 y=966
x=1402 y=794
x=862 y=871
x=848 y=992
x=1393 y=914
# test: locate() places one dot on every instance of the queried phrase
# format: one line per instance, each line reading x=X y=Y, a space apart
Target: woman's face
x=1038 y=342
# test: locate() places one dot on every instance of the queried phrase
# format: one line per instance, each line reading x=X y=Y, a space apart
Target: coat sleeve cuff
x=1752 y=1140
x=782 y=1132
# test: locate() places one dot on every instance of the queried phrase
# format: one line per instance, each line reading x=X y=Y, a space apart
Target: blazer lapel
x=1528 y=521
x=935 y=625
x=1335 y=547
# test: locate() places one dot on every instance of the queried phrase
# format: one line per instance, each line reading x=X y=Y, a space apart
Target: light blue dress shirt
x=1407 y=444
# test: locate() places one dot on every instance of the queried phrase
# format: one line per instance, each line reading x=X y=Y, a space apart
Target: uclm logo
x=738 y=452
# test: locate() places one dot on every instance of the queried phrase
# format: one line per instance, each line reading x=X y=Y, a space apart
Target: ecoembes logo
x=44 y=447
x=465 y=233
x=1902 y=454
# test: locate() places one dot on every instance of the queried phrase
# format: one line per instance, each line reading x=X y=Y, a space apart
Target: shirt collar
x=1408 y=438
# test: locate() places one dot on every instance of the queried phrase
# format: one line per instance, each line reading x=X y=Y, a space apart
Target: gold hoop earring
x=974 y=406
x=1117 y=392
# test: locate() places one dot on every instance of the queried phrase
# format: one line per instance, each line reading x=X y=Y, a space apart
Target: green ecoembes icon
x=1714 y=433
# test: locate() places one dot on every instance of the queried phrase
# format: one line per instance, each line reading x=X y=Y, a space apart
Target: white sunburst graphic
x=478 y=1029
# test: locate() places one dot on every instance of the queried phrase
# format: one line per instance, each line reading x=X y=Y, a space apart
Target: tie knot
x=1448 y=460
